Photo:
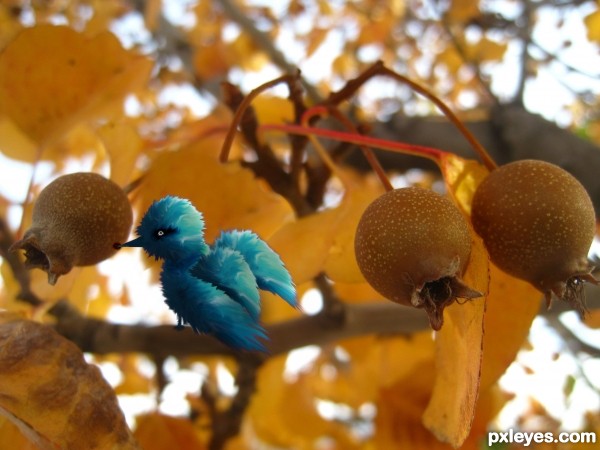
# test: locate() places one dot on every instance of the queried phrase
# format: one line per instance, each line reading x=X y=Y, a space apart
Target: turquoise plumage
x=214 y=289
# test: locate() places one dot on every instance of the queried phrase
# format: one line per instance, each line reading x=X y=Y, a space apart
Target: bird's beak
x=134 y=243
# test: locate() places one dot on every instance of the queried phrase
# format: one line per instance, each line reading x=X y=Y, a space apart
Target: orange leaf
x=210 y=61
x=463 y=10
x=512 y=304
x=18 y=436
x=592 y=23
x=159 y=432
x=315 y=38
x=592 y=319
x=52 y=77
x=46 y=383
x=462 y=176
x=450 y=412
x=123 y=144
x=341 y=265
x=296 y=243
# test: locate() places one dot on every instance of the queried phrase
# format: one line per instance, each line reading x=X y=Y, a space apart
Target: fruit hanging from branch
x=76 y=221
x=538 y=222
x=413 y=245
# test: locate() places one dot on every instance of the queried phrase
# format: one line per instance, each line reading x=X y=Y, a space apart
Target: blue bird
x=213 y=288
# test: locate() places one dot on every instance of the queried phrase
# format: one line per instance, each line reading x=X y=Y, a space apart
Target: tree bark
x=510 y=133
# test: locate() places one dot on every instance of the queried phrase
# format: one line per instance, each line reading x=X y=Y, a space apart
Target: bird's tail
x=209 y=310
x=266 y=265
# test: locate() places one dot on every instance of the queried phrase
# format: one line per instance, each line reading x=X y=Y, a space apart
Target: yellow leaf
x=485 y=50
x=450 y=412
x=159 y=432
x=512 y=304
x=462 y=176
x=134 y=382
x=341 y=265
x=123 y=145
x=303 y=253
x=243 y=52
x=592 y=319
x=52 y=77
x=285 y=414
x=463 y=10
x=377 y=31
x=16 y=144
x=273 y=110
x=451 y=59
x=592 y=23
x=18 y=436
x=210 y=61
x=315 y=38
x=399 y=409
x=229 y=196
x=333 y=251
x=46 y=383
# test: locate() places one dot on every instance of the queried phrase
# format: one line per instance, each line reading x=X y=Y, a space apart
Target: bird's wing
x=266 y=265
x=209 y=310
x=226 y=269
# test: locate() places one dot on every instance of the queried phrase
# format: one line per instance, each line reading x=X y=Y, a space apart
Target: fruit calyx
x=436 y=295
x=36 y=258
x=570 y=291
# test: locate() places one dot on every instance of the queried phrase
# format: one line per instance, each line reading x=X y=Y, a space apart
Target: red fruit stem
x=434 y=154
x=489 y=163
x=369 y=155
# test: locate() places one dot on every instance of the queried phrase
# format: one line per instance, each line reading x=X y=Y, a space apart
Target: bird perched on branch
x=213 y=288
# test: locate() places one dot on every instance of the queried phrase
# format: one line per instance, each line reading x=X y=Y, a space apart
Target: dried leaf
x=71 y=405
x=512 y=304
x=450 y=412
x=80 y=78
x=159 y=432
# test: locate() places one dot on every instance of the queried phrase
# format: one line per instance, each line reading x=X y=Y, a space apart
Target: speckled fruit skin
x=409 y=237
x=76 y=221
x=537 y=222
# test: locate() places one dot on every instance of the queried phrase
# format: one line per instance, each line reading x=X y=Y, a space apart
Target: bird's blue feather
x=227 y=270
x=209 y=310
x=266 y=265
x=214 y=288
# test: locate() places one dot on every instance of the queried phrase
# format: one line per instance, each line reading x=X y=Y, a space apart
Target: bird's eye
x=161 y=232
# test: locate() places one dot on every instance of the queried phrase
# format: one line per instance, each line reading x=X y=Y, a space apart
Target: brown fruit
x=537 y=222
x=412 y=245
x=76 y=221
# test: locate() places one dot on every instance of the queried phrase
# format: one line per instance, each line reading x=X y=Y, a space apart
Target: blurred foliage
x=90 y=83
